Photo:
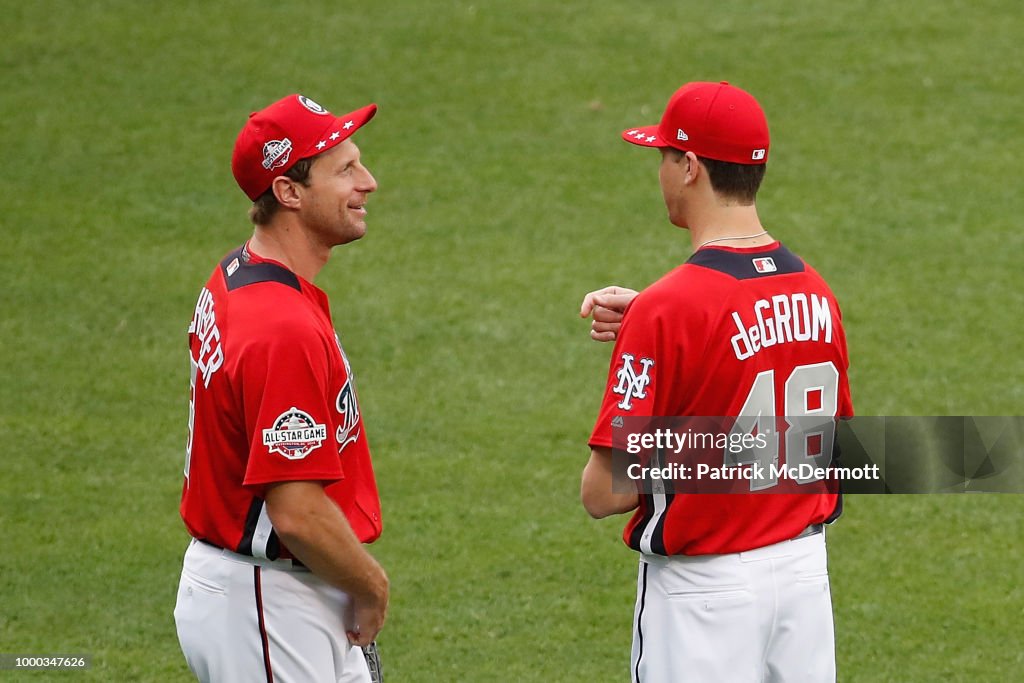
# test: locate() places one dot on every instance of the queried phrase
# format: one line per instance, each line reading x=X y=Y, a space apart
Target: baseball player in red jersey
x=279 y=493
x=731 y=587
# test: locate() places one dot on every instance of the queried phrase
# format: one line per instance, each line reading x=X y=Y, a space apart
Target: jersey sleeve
x=632 y=383
x=844 y=408
x=288 y=412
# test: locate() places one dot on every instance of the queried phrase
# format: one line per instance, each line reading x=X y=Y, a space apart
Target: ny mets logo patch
x=632 y=384
x=294 y=435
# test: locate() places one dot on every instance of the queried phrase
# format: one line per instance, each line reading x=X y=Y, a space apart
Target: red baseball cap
x=713 y=120
x=293 y=128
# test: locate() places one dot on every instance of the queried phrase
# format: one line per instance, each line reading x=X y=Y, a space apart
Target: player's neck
x=286 y=243
x=730 y=225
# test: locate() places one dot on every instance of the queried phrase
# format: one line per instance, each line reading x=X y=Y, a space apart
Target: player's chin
x=678 y=220
x=351 y=236
x=355 y=228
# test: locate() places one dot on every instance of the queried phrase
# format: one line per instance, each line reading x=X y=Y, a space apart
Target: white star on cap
x=321 y=144
x=335 y=135
x=632 y=132
x=348 y=124
x=651 y=138
x=638 y=135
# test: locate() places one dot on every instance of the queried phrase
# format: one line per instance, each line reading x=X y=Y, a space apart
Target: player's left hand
x=368 y=616
x=607 y=306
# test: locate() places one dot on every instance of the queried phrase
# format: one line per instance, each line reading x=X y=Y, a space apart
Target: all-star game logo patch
x=294 y=435
x=276 y=153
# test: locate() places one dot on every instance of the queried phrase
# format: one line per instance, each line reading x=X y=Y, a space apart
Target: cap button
x=723 y=82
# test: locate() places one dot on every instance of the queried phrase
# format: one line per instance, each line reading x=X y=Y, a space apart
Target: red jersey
x=732 y=332
x=272 y=400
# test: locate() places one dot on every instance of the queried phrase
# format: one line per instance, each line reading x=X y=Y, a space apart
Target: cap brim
x=645 y=136
x=341 y=129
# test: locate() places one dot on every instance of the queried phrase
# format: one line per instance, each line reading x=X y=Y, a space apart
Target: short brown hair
x=739 y=182
x=266 y=205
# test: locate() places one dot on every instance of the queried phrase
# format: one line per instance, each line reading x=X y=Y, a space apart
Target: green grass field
x=505 y=194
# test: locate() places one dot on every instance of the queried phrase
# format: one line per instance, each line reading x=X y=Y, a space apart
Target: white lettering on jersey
x=347 y=406
x=204 y=326
x=782 y=319
x=630 y=384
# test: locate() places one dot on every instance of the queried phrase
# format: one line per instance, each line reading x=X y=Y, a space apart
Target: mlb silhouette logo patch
x=765 y=265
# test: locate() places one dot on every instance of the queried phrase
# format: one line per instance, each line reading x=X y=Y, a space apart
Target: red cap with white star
x=713 y=120
x=293 y=128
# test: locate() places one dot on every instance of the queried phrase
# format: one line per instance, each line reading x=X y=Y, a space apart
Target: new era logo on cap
x=293 y=128
x=765 y=265
x=681 y=135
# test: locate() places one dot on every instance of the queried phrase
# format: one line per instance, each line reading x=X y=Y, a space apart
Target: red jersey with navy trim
x=729 y=332
x=272 y=400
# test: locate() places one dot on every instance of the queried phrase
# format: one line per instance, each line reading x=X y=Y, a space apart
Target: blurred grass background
x=505 y=194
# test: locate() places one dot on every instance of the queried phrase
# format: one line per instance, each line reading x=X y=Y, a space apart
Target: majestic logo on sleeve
x=294 y=435
x=630 y=383
x=347 y=406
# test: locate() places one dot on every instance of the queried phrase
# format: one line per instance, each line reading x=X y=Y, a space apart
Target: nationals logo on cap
x=292 y=128
x=294 y=435
x=311 y=105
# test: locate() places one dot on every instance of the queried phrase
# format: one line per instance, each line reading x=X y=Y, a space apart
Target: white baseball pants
x=762 y=616
x=246 y=620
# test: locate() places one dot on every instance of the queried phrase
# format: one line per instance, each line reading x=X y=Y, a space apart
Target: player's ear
x=693 y=168
x=286 y=192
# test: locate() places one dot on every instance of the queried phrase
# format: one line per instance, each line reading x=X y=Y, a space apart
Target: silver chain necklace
x=739 y=237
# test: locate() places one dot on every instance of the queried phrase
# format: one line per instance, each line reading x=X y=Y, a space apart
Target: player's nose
x=368 y=182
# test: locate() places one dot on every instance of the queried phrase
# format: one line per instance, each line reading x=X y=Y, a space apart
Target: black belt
x=811 y=530
x=294 y=562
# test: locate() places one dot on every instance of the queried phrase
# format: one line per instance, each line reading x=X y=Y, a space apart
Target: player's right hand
x=607 y=306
